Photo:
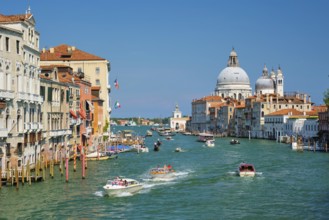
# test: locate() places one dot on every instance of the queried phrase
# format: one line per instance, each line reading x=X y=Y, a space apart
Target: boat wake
x=100 y=193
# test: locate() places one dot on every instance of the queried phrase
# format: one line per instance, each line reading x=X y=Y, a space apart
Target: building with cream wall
x=95 y=68
x=20 y=102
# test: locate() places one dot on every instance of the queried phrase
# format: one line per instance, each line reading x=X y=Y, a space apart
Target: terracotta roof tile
x=14 y=18
x=66 y=52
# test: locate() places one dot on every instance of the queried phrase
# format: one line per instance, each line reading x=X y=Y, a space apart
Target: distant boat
x=148 y=133
x=246 y=169
x=162 y=172
x=234 y=141
x=178 y=149
x=131 y=123
x=210 y=143
x=203 y=137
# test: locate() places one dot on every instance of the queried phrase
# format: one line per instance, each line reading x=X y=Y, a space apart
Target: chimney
x=51 y=50
x=73 y=48
x=309 y=98
x=43 y=50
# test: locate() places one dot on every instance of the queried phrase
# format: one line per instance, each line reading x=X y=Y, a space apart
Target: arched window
x=262 y=114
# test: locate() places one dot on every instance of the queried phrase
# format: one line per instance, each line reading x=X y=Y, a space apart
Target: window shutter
x=50 y=94
x=67 y=96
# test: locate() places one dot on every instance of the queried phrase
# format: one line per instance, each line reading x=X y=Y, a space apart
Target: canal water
x=288 y=185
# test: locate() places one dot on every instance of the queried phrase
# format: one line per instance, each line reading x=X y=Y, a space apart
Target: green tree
x=326 y=97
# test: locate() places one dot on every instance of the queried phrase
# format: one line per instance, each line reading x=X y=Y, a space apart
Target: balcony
x=6 y=94
x=34 y=125
x=3 y=132
x=27 y=126
x=28 y=97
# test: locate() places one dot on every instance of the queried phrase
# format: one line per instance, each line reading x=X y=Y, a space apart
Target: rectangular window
x=97 y=70
x=42 y=92
x=79 y=69
x=98 y=82
x=17 y=47
x=50 y=94
x=7 y=44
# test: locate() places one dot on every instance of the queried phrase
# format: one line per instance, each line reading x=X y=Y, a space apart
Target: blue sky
x=170 y=52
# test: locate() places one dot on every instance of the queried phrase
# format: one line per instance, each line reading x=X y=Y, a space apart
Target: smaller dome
x=264 y=83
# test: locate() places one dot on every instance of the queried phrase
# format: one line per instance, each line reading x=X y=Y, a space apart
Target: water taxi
x=203 y=137
x=122 y=185
x=162 y=172
x=246 y=169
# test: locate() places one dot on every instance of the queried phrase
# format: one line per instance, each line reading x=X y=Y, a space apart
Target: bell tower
x=279 y=82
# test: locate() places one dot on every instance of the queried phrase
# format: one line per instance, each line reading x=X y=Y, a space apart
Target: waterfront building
x=304 y=124
x=260 y=105
x=97 y=110
x=95 y=68
x=177 y=122
x=225 y=118
x=20 y=100
x=324 y=127
x=270 y=84
x=213 y=115
x=239 y=120
x=200 y=120
x=55 y=112
x=233 y=81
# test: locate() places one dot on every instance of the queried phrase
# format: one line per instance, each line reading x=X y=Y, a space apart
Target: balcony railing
x=6 y=94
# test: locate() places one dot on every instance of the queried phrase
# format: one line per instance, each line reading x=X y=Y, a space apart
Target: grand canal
x=289 y=185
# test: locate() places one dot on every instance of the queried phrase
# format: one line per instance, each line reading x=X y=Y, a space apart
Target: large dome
x=233 y=81
x=233 y=76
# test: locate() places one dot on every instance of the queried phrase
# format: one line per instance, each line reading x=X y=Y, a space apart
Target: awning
x=91 y=107
x=82 y=114
x=73 y=114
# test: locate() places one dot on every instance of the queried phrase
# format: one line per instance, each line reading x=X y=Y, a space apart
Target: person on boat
x=158 y=142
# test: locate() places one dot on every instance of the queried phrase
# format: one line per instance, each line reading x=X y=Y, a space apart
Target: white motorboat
x=140 y=148
x=210 y=143
x=246 y=169
x=122 y=185
x=178 y=149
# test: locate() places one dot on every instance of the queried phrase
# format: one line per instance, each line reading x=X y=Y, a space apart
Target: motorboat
x=140 y=148
x=210 y=143
x=178 y=149
x=97 y=156
x=169 y=138
x=246 y=169
x=162 y=172
x=148 y=133
x=203 y=137
x=234 y=141
x=122 y=185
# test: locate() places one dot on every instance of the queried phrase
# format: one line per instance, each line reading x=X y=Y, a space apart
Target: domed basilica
x=233 y=81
